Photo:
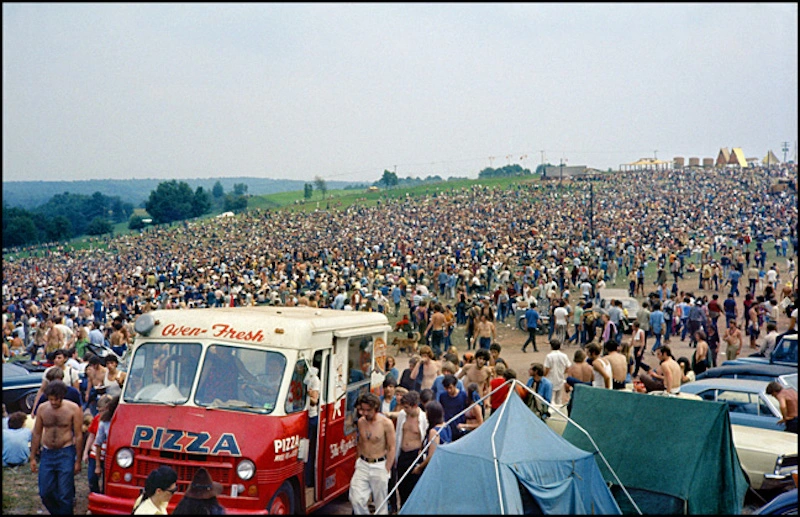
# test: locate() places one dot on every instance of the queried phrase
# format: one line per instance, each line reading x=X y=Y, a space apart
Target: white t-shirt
x=557 y=361
x=314 y=384
x=560 y=314
x=794 y=316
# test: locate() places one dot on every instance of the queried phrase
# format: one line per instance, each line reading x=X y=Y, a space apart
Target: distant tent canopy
x=770 y=159
x=646 y=164
x=723 y=157
x=512 y=464
x=737 y=158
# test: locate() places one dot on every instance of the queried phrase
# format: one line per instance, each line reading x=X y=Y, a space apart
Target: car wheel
x=27 y=402
x=282 y=502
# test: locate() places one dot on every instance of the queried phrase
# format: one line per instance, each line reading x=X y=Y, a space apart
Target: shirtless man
x=438 y=328
x=667 y=376
x=429 y=365
x=700 y=363
x=486 y=332
x=412 y=425
x=733 y=338
x=788 y=405
x=478 y=372
x=59 y=430
x=376 y=450
x=619 y=365
x=579 y=372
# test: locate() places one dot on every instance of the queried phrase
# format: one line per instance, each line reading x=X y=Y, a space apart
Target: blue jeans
x=485 y=342
x=684 y=327
x=94 y=479
x=57 y=480
x=657 y=342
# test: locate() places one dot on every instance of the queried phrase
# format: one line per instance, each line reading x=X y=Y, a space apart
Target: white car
x=631 y=305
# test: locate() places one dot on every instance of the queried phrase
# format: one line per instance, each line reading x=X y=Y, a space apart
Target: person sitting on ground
x=686 y=369
x=666 y=376
x=16 y=441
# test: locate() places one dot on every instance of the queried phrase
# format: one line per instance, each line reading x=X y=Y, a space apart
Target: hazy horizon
x=344 y=91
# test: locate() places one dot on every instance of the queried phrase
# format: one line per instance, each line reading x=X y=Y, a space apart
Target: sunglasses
x=171 y=490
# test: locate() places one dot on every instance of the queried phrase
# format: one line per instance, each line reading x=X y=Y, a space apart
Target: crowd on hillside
x=475 y=238
x=468 y=257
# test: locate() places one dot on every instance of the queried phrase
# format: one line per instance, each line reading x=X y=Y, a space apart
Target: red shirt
x=499 y=396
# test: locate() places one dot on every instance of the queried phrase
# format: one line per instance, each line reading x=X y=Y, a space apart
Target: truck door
x=348 y=377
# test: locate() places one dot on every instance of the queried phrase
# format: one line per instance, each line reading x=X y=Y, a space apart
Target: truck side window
x=296 y=398
x=359 y=365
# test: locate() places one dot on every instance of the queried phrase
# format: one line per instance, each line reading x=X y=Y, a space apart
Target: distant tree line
x=508 y=170
x=68 y=215
x=62 y=217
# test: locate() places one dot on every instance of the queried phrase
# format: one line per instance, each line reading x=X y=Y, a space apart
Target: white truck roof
x=284 y=327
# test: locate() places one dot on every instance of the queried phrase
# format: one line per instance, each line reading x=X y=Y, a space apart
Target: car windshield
x=789 y=380
x=162 y=373
x=230 y=377
x=240 y=378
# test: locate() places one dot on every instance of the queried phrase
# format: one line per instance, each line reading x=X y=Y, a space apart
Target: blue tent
x=511 y=464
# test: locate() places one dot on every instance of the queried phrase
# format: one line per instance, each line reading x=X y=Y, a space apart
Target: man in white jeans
x=376 y=454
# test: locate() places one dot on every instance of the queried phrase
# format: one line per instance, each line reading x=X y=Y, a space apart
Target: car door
x=748 y=409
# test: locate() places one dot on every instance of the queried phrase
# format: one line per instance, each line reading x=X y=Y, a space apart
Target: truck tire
x=282 y=503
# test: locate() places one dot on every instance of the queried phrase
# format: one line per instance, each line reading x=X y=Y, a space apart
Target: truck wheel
x=522 y=323
x=282 y=502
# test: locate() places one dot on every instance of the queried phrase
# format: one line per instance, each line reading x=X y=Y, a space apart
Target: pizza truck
x=227 y=389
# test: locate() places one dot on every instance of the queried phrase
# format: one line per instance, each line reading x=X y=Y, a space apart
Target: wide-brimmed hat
x=203 y=487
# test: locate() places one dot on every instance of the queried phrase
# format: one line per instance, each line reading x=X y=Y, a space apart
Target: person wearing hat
x=159 y=487
x=201 y=497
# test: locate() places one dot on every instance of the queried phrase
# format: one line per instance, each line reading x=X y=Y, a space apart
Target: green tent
x=673 y=455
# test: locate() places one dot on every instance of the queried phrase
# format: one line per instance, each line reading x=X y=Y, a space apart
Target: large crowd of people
x=471 y=257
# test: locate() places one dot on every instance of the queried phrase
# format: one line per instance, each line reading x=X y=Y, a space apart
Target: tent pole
x=422 y=452
x=551 y=406
x=494 y=452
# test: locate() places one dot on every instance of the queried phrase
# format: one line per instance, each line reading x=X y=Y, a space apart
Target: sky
x=346 y=91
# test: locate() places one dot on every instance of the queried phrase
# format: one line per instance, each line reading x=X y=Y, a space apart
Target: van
x=224 y=389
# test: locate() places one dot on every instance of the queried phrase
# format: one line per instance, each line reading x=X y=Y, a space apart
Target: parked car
x=747 y=400
x=767 y=457
x=785 y=353
x=752 y=371
x=21 y=381
x=631 y=305
x=790 y=380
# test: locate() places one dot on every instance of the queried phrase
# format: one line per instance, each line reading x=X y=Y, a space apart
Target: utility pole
x=591 y=209
x=562 y=171
x=785 y=150
x=491 y=160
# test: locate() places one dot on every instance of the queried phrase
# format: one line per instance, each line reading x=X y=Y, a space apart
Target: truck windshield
x=162 y=373
x=240 y=378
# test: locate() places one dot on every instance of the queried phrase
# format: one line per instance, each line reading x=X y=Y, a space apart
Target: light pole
x=562 y=172
x=591 y=209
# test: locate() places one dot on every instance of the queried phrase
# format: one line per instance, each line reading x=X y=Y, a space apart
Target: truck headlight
x=125 y=458
x=245 y=469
